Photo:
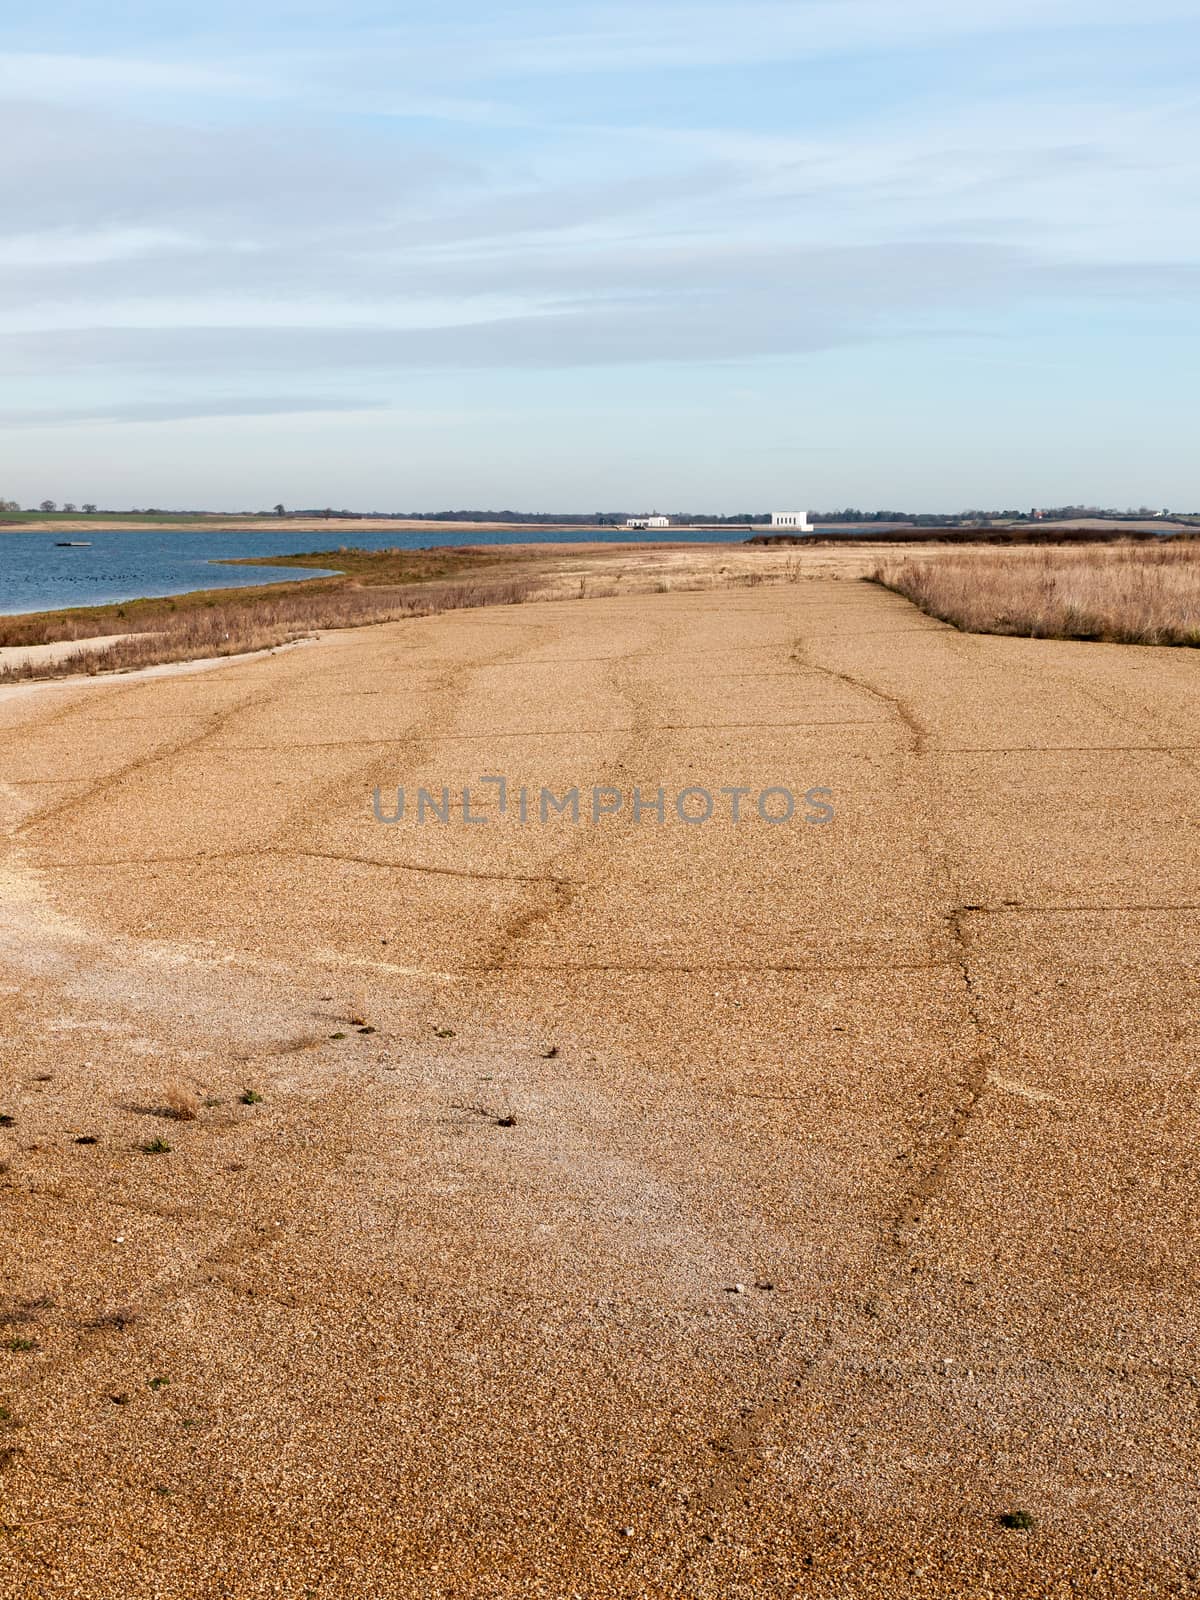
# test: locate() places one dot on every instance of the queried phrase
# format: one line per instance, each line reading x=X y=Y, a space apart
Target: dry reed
x=276 y=618
x=1121 y=594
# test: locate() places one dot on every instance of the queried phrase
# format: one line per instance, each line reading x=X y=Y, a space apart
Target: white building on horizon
x=648 y=522
x=792 y=519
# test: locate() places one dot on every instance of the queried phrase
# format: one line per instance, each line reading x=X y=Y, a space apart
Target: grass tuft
x=179 y=1104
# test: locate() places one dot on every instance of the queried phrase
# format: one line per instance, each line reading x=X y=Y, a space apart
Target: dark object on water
x=73 y=544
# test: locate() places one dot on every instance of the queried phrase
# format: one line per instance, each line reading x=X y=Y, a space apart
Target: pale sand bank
x=21 y=655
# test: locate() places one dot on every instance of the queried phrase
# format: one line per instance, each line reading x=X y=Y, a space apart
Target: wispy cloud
x=44 y=76
x=753 y=304
x=203 y=215
x=184 y=410
x=545 y=40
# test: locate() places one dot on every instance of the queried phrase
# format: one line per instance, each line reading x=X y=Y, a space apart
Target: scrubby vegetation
x=372 y=586
x=1129 y=593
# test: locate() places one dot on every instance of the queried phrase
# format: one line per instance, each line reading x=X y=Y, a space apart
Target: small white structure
x=648 y=522
x=792 y=519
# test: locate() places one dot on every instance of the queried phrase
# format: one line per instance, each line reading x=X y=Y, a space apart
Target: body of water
x=134 y=563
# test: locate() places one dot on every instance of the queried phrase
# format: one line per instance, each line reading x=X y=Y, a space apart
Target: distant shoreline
x=135 y=522
x=233 y=524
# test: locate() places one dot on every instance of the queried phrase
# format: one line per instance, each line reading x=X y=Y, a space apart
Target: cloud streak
x=757 y=305
x=183 y=410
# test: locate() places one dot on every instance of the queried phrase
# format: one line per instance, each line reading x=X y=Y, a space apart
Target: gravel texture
x=629 y=1210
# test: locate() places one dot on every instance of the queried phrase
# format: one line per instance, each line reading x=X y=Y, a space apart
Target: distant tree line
x=974 y=518
x=69 y=508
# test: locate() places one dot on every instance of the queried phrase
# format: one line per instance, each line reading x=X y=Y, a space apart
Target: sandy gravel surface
x=21 y=655
x=452 y=1310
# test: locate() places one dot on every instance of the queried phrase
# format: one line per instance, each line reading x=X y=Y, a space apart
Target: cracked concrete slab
x=803 y=1198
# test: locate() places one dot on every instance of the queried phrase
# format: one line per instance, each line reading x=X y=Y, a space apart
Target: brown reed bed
x=1136 y=593
x=197 y=627
x=354 y=568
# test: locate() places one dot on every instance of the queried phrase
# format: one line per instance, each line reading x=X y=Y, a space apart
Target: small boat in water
x=73 y=544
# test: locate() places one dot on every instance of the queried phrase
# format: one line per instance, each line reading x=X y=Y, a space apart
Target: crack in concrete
x=258 y=853
x=973 y=1088
x=741 y=1450
x=917 y=733
x=1064 y=749
x=542 y=733
x=1018 y=910
x=658 y=968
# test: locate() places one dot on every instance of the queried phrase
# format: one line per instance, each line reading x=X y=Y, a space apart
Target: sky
x=637 y=255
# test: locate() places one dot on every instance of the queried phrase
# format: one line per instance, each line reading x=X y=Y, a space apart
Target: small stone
x=738 y=1288
x=627 y=1533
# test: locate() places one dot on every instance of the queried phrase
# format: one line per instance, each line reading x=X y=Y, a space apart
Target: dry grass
x=276 y=616
x=1122 y=594
x=391 y=569
x=178 y=1103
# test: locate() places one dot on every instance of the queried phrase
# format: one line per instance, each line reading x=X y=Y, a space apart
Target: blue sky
x=944 y=253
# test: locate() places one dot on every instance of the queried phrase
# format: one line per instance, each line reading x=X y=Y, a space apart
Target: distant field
x=209 y=522
x=123 y=519
x=1124 y=594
